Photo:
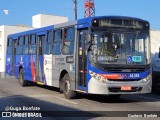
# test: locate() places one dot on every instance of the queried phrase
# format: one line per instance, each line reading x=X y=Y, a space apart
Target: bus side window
x=48 y=48
x=26 y=47
x=32 y=48
x=41 y=44
x=9 y=46
x=21 y=40
x=19 y=49
x=68 y=41
x=9 y=43
x=57 y=42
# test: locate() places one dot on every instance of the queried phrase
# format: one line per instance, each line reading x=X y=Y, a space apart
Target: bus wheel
x=22 y=82
x=61 y=87
x=68 y=93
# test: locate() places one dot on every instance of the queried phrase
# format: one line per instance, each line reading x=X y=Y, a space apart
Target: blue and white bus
x=96 y=55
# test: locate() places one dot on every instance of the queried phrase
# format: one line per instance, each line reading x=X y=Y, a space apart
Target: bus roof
x=34 y=31
x=89 y=19
x=81 y=23
x=42 y=30
x=111 y=17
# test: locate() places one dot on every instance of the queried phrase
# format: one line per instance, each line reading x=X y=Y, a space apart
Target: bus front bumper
x=115 y=87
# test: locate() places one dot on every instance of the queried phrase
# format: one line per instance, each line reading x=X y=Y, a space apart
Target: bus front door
x=82 y=59
x=39 y=58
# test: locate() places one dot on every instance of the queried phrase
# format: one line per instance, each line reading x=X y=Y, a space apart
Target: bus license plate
x=126 y=88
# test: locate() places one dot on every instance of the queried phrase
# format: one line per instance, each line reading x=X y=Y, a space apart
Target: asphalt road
x=14 y=97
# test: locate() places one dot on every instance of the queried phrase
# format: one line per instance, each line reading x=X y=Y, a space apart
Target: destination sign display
x=128 y=23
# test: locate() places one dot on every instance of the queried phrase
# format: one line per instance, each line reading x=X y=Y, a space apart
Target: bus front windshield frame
x=132 y=48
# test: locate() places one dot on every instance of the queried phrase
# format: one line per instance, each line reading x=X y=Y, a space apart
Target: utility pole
x=75 y=9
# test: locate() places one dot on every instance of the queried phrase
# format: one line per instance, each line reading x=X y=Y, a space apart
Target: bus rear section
x=25 y=52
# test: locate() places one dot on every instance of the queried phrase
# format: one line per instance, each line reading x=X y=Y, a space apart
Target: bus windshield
x=120 y=48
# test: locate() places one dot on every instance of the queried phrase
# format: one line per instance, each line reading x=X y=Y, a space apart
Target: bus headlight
x=147 y=78
x=98 y=77
x=104 y=80
x=101 y=79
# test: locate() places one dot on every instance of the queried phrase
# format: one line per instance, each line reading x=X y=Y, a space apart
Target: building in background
x=155 y=55
x=155 y=42
x=42 y=20
x=5 y=30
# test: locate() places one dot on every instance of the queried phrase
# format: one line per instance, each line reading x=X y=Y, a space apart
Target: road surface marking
x=66 y=100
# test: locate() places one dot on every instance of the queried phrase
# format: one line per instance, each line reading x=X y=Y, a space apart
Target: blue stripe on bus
x=124 y=75
x=82 y=88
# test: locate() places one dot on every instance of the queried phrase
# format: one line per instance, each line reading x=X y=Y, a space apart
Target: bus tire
x=60 y=87
x=66 y=87
x=22 y=82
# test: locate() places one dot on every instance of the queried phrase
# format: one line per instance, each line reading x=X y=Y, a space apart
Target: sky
x=21 y=11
